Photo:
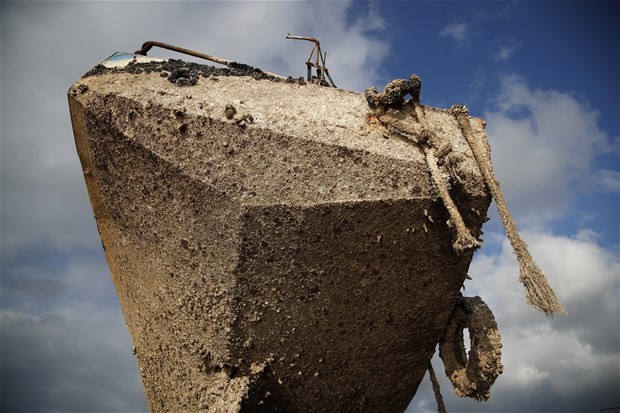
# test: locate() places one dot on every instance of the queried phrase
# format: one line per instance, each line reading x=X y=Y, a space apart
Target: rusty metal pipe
x=310 y=39
x=146 y=46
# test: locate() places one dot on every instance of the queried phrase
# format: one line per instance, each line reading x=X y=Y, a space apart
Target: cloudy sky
x=545 y=75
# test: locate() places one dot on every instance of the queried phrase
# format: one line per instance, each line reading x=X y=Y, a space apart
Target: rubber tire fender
x=473 y=374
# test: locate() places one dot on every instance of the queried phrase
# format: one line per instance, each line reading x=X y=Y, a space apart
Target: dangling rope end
x=538 y=292
x=464 y=242
x=441 y=407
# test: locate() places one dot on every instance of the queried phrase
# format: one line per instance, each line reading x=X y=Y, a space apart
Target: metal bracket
x=319 y=61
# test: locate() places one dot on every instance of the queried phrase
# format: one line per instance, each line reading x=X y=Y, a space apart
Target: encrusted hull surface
x=272 y=249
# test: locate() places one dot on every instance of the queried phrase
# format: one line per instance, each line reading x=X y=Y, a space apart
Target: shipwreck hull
x=291 y=260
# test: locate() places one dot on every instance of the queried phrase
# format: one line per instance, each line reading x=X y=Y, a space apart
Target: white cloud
x=580 y=270
x=463 y=29
x=544 y=144
x=608 y=179
x=457 y=31
x=584 y=271
x=528 y=377
x=504 y=48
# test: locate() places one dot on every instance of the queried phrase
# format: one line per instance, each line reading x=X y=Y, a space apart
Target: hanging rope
x=538 y=292
x=464 y=239
x=441 y=407
x=415 y=131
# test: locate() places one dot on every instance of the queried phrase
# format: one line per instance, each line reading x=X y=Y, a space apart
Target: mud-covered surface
x=298 y=263
x=183 y=73
x=348 y=302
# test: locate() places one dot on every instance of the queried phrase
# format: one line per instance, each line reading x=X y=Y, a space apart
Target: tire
x=473 y=374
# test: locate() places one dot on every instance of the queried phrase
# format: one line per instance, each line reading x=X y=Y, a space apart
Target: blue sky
x=544 y=75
